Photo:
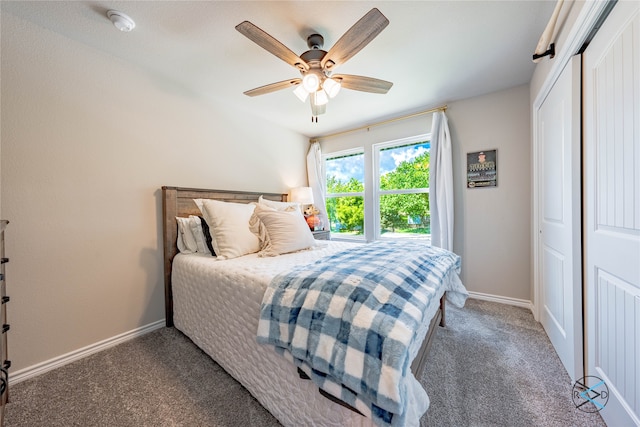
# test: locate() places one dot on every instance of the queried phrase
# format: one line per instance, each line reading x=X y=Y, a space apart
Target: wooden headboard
x=178 y=201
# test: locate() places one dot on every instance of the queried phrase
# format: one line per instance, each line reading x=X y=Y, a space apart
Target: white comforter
x=217 y=305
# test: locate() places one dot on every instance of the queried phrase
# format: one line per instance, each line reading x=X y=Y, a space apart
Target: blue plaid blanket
x=349 y=319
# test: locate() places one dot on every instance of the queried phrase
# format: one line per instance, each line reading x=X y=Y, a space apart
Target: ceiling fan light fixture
x=332 y=87
x=316 y=65
x=320 y=97
x=311 y=82
x=301 y=93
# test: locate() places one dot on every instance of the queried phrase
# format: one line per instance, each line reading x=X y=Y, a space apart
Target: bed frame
x=177 y=201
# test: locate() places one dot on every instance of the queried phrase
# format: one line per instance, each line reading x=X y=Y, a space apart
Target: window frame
x=347 y=153
x=377 y=192
x=371 y=183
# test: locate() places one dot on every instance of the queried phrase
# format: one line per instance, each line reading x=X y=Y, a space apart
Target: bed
x=217 y=304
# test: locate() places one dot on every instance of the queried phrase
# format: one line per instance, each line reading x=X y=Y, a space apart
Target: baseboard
x=503 y=300
x=65 y=359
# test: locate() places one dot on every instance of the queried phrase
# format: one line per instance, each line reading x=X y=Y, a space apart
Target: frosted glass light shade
x=302 y=195
x=311 y=82
x=332 y=87
x=320 y=97
x=301 y=93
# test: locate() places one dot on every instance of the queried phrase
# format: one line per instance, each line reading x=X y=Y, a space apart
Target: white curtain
x=441 y=183
x=316 y=181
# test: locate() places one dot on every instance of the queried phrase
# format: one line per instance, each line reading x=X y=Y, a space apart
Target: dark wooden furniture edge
x=419 y=362
x=178 y=201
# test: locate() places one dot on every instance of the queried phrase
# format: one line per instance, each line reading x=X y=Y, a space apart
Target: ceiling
x=434 y=52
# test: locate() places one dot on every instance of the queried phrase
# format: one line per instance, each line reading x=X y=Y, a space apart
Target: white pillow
x=281 y=206
x=280 y=232
x=199 y=203
x=229 y=226
x=191 y=237
x=186 y=241
x=198 y=234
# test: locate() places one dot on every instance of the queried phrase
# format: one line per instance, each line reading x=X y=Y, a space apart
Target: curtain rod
x=384 y=122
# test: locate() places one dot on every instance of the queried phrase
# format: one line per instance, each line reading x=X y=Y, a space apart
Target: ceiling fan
x=318 y=83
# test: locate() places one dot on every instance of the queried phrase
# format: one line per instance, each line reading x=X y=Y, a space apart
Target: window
x=381 y=191
x=402 y=190
x=345 y=193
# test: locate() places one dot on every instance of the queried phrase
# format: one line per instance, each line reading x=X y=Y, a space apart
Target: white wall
x=492 y=225
x=87 y=142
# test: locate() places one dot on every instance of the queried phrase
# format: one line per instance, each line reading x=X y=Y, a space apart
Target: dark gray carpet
x=492 y=366
x=159 y=379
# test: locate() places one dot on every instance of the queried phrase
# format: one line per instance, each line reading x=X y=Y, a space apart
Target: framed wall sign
x=482 y=169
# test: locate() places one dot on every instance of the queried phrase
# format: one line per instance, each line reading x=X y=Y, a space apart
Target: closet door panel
x=612 y=211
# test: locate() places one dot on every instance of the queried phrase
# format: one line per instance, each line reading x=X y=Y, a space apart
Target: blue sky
x=353 y=166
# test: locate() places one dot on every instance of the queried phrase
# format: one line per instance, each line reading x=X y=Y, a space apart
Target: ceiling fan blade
x=362 y=83
x=357 y=37
x=267 y=42
x=273 y=87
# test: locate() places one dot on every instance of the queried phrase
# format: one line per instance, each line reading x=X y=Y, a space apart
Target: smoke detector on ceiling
x=121 y=21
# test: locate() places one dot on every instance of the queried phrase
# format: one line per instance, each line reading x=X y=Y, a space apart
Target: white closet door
x=560 y=279
x=612 y=211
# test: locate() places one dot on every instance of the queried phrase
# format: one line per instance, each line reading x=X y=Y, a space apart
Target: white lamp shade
x=302 y=195
x=332 y=87
x=301 y=93
x=311 y=82
x=320 y=98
